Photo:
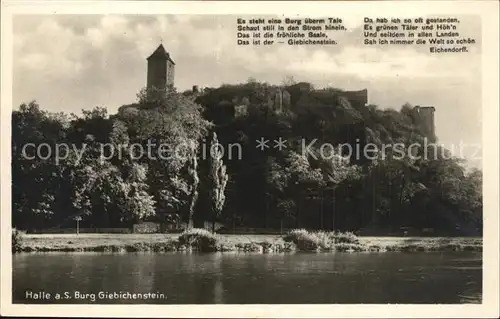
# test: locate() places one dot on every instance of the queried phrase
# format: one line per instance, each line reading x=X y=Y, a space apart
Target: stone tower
x=161 y=70
x=424 y=118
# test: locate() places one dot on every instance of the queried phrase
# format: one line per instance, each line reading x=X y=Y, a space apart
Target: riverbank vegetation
x=202 y=240
x=101 y=181
x=17 y=241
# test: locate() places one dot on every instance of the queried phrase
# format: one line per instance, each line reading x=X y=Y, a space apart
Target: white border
x=488 y=10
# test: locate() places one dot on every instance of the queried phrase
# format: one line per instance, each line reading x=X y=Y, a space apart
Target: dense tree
x=217 y=180
x=193 y=191
x=173 y=128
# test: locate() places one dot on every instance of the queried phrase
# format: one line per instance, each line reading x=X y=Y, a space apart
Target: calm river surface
x=252 y=278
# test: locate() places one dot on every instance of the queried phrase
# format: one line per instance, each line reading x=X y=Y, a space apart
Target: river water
x=233 y=278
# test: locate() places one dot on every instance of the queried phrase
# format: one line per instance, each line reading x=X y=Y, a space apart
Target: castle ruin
x=161 y=72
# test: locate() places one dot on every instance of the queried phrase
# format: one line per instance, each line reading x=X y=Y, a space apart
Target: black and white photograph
x=174 y=157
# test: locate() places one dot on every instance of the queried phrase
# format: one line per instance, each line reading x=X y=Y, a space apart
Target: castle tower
x=424 y=118
x=160 y=70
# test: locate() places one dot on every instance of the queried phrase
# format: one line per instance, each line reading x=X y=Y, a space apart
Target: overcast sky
x=73 y=62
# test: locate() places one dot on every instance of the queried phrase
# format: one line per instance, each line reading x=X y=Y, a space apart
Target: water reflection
x=219 y=274
x=256 y=278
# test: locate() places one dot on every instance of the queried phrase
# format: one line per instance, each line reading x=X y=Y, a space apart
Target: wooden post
x=78 y=219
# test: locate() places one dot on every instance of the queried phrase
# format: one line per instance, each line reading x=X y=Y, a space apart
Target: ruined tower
x=160 y=70
x=424 y=118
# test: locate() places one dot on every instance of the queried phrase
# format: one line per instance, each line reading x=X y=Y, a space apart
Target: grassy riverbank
x=200 y=240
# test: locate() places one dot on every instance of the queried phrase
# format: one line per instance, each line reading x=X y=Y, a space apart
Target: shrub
x=224 y=247
x=350 y=247
x=199 y=239
x=294 y=234
x=323 y=240
x=305 y=240
x=326 y=239
x=345 y=238
x=287 y=247
x=164 y=246
x=17 y=241
x=267 y=247
x=376 y=248
x=224 y=244
x=252 y=247
x=138 y=247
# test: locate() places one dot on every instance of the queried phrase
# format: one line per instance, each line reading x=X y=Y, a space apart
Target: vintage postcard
x=221 y=159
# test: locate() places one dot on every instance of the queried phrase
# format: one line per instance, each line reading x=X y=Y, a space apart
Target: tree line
x=271 y=189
